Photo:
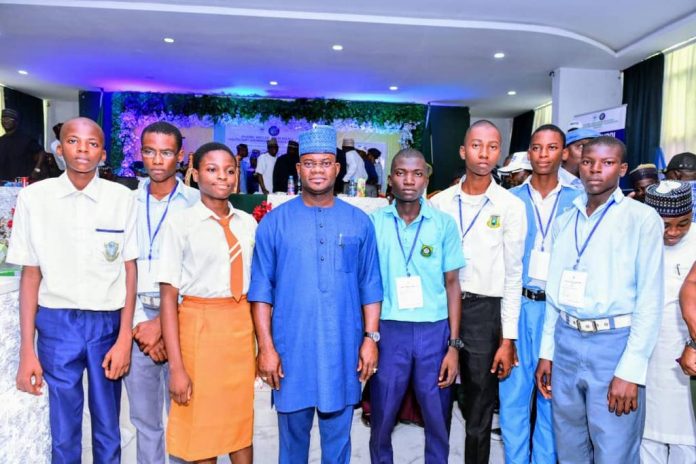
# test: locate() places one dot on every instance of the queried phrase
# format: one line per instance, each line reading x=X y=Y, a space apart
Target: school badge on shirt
x=493 y=221
x=111 y=251
x=426 y=251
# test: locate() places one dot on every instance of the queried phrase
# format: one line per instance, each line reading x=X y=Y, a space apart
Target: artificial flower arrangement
x=261 y=210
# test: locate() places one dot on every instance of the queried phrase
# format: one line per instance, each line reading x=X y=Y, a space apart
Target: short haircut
x=242 y=145
x=480 y=123
x=163 y=127
x=407 y=153
x=551 y=128
x=606 y=141
x=374 y=152
x=207 y=148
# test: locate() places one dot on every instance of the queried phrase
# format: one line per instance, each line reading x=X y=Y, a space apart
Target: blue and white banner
x=611 y=121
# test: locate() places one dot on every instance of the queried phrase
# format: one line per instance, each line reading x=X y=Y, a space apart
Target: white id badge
x=409 y=292
x=147 y=273
x=572 y=289
x=539 y=265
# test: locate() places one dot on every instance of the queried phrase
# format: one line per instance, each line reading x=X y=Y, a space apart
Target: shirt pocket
x=108 y=245
x=346 y=258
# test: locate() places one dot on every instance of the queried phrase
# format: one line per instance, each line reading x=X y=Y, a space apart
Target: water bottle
x=299 y=186
x=291 y=185
x=352 y=188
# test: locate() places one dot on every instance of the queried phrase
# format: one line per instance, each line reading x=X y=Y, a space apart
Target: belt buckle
x=593 y=323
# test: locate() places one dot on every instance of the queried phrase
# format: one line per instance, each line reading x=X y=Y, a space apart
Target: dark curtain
x=31 y=112
x=642 y=93
x=442 y=138
x=521 y=132
x=89 y=108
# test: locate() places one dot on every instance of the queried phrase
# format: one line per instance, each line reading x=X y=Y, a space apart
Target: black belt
x=534 y=296
x=472 y=296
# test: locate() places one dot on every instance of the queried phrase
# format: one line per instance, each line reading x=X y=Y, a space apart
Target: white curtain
x=679 y=102
x=542 y=115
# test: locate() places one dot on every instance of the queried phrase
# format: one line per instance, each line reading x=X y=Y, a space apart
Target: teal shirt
x=438 y=250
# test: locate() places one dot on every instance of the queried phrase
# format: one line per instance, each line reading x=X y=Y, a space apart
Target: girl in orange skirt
x=206 y=256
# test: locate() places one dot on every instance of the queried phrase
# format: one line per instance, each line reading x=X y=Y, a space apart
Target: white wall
x=56 y=111
x=505 y=127
x=577 y=91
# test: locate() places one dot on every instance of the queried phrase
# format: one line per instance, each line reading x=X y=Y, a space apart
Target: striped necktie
x=235 y=254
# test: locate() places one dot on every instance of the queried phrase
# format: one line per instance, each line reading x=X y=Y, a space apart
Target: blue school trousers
x=518 y=391
x=586 y=432
x=70 y=341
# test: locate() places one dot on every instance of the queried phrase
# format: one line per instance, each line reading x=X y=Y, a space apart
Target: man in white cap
x=518 y=169
x=355 y=168
x=265 y=166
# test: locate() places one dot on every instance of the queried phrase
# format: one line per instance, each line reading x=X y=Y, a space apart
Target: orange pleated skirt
x=218 y=350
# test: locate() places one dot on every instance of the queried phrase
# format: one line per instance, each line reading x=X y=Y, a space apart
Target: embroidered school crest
x=426 y=251
x=493 y=221
x=111 y=251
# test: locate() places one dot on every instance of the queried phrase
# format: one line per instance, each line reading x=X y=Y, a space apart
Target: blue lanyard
x=543 y=231
x=150 y=235
x=587 y=240
x=473 y=221
x=413 y=247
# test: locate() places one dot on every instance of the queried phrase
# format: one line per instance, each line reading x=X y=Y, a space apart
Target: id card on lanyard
x=467 y=271
x=573 y=285
x=539 y=259
x=409 y=289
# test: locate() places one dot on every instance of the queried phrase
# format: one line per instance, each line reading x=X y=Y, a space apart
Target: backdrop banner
x=611 y=121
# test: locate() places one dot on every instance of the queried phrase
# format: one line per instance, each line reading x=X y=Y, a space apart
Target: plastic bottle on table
x=291 y=185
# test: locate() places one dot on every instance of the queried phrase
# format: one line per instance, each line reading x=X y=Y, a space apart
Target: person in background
x=20 y=155
x=570 y=170
x=75 y=237
x=157 y=198
x=545 y=199
x=252 y=180
x=492 y=223
x=265 y=165
x=419 y=324
x=670 y=428
x=682 y=167
x=604 y=302
x=205 y=257
x=286 y=167
x=517 y=171
x=374 y=157
x=318 y=341
x=641 y=177
x=371 y=184
x=244 y=166
x=355 y=166
x=54 y=147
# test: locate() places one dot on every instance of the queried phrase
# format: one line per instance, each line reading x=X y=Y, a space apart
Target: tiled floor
x=407 y=440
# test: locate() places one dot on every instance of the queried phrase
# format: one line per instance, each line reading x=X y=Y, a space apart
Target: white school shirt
x=493 y=248
x=194 y=256
x=264 y=166
x=545 y=207
x=79 y=239
x=183 y=198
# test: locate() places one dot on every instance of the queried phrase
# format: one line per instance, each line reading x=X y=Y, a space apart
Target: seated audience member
x=641 y=177
x=670 y=428
x=682 y=167
x=517 y=171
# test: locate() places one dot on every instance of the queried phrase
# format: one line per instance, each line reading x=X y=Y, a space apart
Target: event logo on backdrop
x=611 y=121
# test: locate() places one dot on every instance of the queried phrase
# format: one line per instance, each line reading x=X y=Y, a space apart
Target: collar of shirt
x=569 y=180
x=536 y=195
x=580 y=202
x=66 y=187
x=425 y=211
x=200 y=211
x=492 y=192
x=142 y=190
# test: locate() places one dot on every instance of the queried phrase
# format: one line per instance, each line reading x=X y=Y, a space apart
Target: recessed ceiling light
x=23 y=72
x=337 y=47
x=273 y=82
x=499 y=55
x=393 y=88
x=512 y=92
x=169 y=40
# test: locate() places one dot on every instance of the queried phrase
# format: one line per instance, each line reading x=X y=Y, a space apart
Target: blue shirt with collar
x=624 y=266
x=439 y=235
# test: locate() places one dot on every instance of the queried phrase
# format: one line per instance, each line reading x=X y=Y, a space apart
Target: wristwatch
x=374 y=336
x=691 y=343
x=455 y=343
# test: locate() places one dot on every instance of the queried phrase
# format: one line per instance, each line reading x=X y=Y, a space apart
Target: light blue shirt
x=438 y=235
x=569 y=180
x=624 y=265
x=183 y=198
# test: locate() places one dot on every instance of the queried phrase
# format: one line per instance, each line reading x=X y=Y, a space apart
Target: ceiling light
x=169 y=40
x=273 y=82
x=393 y=88
x=23 y=72
x=512 y=92
x=499 y=55
x=337 y=47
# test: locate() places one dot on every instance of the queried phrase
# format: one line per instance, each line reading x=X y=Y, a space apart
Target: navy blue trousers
x=70 y=341
x=410 y=352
